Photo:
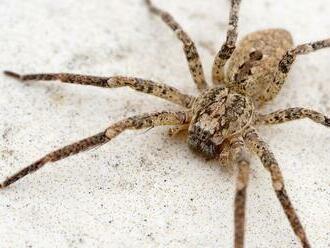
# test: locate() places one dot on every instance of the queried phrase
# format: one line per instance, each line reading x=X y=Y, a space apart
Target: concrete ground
x=145 y=189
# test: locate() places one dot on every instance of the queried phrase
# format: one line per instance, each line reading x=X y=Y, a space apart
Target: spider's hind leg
x=290 y=56
x=227 y=49
x=190 y=50
x=135 y=122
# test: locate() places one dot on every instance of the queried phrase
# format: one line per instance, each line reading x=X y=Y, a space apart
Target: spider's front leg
x=241 y=158
x=135 y=122
x=227 y=49
x=173 y=131
x=146 y=86
x=260 y=148
x=190 y=50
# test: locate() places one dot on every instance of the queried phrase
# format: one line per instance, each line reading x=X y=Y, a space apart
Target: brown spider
x=221 y=121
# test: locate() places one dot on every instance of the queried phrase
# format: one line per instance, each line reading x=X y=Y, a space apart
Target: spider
x=221 y=122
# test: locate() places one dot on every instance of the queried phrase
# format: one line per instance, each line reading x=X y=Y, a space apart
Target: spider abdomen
x=218 y=114
x=259 y=77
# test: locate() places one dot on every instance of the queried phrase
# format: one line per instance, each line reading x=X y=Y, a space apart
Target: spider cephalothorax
x=218 y=115
x=222 y=120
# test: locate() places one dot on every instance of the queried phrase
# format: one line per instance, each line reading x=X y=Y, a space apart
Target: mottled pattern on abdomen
x=264 y=81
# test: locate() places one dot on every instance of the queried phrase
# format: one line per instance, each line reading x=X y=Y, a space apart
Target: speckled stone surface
x=145 y=189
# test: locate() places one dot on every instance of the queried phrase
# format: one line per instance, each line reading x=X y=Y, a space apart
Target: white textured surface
x=144 y=189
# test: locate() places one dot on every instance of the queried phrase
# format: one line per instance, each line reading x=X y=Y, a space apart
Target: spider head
x=201 y=141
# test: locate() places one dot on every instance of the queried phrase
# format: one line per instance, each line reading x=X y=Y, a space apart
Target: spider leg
x=146 y=86
x=135 y=122
x=190 y=50
x=241 y=158
x=225 y=157
x=259 y=147
x=290 y=56
x=291 y=114
x=173 y=131
x=218 y=73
